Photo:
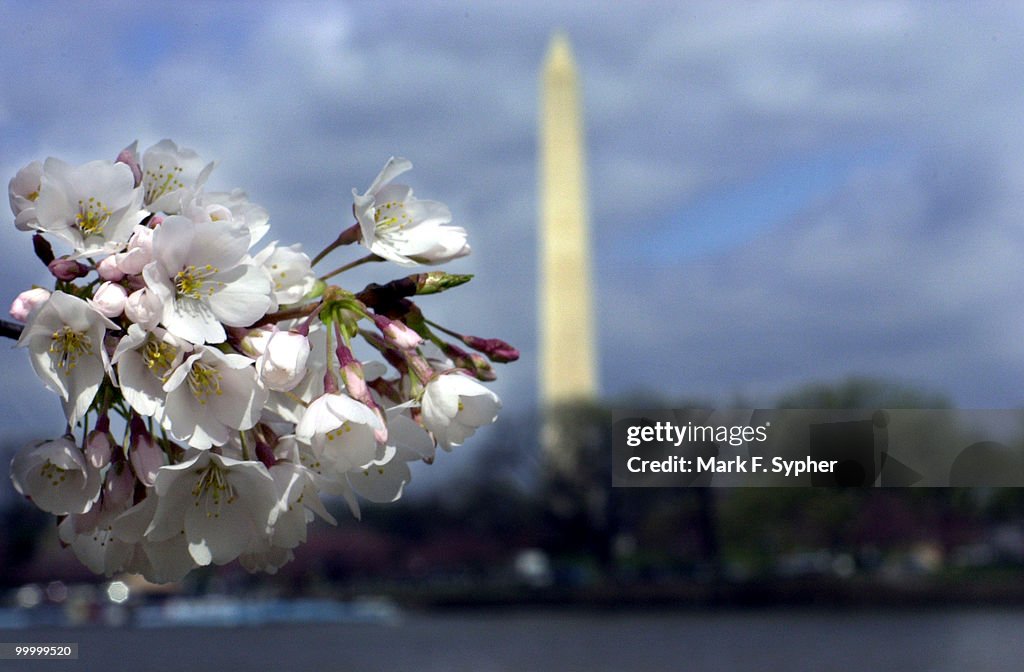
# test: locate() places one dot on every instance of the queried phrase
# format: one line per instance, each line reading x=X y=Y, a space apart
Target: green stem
x=447 y=331
x=245 y=446
x=352 y=264
x=346 y=237
x=324 y=252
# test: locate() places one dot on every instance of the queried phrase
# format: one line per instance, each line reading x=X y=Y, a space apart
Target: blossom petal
x=244 y=298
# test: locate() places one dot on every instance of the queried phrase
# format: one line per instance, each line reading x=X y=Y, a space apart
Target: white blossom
x=65 y=340
x=222 y=505
x=341 y=431
x=56 y=477
x=410 y=440
x=171 y=176
x=23 y=191
x=383 y=479
x=253 y=217
x=298 y=500
x=91 y=538
x=182 y=337
x=404 y=229
x=198 y=275
x=144 y=362
x=455 y=405
x=161 y=561
x=93 y=207
x=210 y=395
x=289 y=269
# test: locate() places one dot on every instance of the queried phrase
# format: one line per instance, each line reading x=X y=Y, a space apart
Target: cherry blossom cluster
x=214 y=389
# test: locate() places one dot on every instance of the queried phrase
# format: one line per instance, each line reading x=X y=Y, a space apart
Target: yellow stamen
x=67 y=345
x=213 y=488
x=92 y=216
x=161 y=181
x=159 y=356
x=204 y=380
x=50 y=471
x=193 y=282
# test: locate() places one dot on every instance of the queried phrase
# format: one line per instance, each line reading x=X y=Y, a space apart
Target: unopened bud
x=496 y=349
x=120 y=484
x=355 y=384
x=471 y=362
x=282 y=364
x=27 y=301
x=397 y=333
x=143 y=308
x=67 y=269
x=420 y=367
x=129 y=156
x=98 y=448
x=438 y=281
x=108 y=269
x=352 y=375
x=145 y=455
x=139 y=251
x=43 y=249
x=109 y=299
x=481 y=368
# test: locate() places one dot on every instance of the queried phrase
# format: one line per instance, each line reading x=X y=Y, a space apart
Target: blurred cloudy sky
x=781 y=192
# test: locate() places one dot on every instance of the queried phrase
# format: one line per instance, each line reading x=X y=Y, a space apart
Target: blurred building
x=576 y=485
x=567 y=351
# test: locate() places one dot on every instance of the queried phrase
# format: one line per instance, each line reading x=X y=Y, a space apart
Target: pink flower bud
x=67 y=269
x=146 y=456
x=129 y=156
x=120 y=484
x=421 y=368
x=98 y=448
x=108 y=269
x=28 y=301
x=471 y=362
x=109 y=299
x=143 y=308
x=397 y=332
x=139 y=251
x=496 y=349
x=355 y=384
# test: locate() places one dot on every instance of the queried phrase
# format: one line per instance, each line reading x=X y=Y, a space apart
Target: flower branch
x=233 y=369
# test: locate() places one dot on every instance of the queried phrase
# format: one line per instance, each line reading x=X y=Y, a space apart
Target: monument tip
x=559 y=54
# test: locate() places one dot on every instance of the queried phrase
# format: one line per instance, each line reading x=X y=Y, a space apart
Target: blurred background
x=812 y=205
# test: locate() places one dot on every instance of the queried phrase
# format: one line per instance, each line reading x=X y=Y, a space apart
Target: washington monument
x=567 y=371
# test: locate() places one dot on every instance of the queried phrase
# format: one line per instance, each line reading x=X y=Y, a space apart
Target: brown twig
x=11 y=330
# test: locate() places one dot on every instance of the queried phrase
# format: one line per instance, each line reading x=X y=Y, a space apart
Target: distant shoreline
x=827 y=593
